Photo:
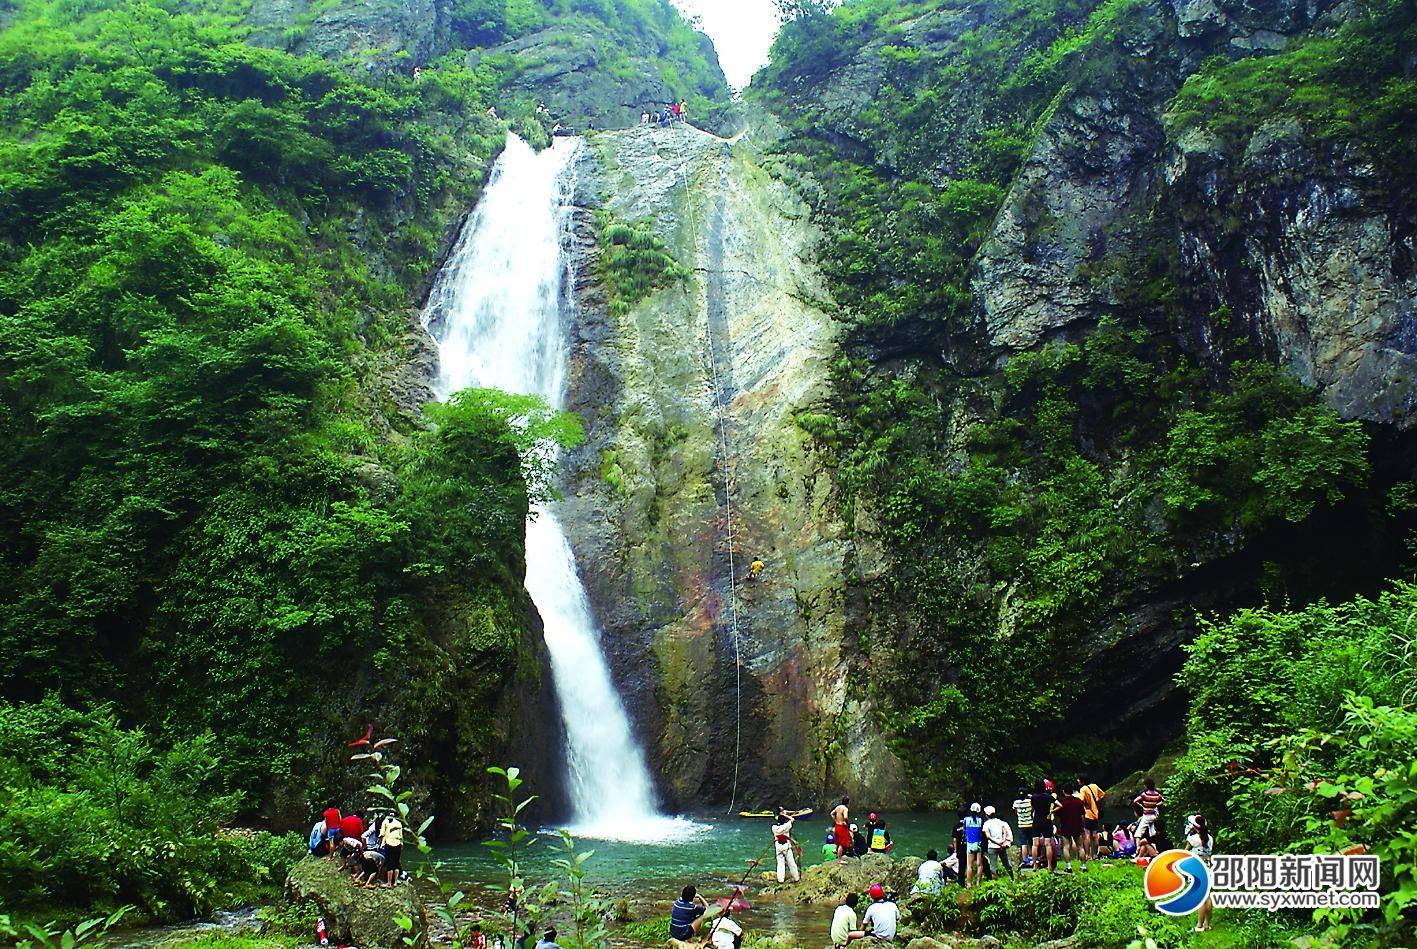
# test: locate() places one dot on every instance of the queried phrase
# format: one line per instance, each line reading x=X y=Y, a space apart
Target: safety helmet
x=877 y=891
x=975 y=808
x=872 y=815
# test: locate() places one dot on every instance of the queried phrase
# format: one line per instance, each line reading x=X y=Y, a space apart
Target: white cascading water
x=497 y=312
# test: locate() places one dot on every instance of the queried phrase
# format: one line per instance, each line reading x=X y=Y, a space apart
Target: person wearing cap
x=844 y=926
x=858 y=842
x=878 y=839
x=882 y=916
x=784 y=845
x=999 y=837
x=974 y=844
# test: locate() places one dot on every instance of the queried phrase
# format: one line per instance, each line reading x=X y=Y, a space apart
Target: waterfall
x=497 y=310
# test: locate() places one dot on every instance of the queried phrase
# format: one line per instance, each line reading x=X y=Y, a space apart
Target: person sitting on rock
x=859 y=846
x=882 y=916
x=320 y=838
x=877 y=836
x=844 y=928
x=725 y=934
x=931 y=875
x=686 y=916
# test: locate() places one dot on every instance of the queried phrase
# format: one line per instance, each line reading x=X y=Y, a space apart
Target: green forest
x=223 y=541
x=228 y=532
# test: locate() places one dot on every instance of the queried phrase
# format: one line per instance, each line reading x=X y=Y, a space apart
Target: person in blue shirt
x=687 y=914
x=974 y=844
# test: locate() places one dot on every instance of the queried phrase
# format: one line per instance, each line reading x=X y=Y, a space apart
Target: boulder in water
x=355 y=916
x=830 y=882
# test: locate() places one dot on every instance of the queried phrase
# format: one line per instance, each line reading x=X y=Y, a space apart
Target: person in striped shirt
x=1023 y=809
x=1148 y=804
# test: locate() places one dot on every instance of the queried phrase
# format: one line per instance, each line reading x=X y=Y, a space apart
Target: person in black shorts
x=1042 y=802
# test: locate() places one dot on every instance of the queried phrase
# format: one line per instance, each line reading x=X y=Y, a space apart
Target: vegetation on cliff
x=1352 y=88
x=212 y=514
x=1301 y=729
x=1028 y=502
x=594 y=63
x=633 y=262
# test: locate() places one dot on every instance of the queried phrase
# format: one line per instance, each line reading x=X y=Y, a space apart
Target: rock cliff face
x=1273 y=244
x=592 y=71
x=1304 y=243
x=1309 y=248
x=695 y=466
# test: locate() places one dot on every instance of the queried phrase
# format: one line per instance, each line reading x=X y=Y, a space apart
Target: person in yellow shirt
x=1092 y=796
x=755 y=568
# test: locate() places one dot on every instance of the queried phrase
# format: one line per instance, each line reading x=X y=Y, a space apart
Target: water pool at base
x=651 y=873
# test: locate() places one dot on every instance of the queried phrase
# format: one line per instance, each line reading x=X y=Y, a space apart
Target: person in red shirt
x=1068 y=814
x=351 y=826
x=332 y=829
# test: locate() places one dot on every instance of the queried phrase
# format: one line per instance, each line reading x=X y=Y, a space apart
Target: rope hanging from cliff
x=719 y=409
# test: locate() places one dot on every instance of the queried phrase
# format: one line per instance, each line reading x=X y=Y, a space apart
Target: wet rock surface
x=650 y=493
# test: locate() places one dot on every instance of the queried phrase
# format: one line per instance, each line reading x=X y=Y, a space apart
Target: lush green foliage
x=211 y=513
x=910 y=181
x=626 y=39
x=1103 y=907
x=633 y=262
x=1021 y=500
x=1353 y=87
x=1300 y=738
x=95 y=815
x=1089 y=479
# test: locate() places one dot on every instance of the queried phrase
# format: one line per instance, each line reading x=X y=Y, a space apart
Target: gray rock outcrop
x=356 y=916
x=649 y=495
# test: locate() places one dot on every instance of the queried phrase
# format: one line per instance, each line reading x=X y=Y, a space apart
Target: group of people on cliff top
x=371 y=852
x=671 y=113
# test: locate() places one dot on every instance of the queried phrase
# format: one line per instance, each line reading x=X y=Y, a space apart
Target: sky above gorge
x=742 y=30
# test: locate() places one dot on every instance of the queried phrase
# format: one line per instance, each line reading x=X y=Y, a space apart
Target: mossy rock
x=830 y=882
x=361 y=917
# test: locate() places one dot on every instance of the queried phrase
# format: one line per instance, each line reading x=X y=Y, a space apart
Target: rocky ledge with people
x=826 y=882
x=354 y=915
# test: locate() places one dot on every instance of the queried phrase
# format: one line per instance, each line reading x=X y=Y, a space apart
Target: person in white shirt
x=882 y=915
x=844 y=928
x=784 y=844
x=932 y=874
x=1000 y=837
x=725 y=934
x=1201 y=844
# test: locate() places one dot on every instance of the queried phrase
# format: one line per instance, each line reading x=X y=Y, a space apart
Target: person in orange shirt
x=1092 y=796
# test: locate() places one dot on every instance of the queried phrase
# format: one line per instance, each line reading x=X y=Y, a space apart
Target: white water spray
x=497 y=309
